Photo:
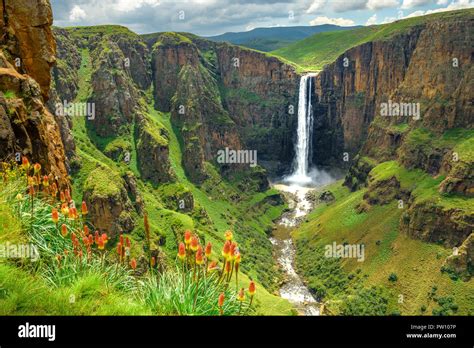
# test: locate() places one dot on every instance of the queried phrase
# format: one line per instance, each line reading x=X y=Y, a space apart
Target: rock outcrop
x=110 y=208
x=27 y=54
x=153 y=151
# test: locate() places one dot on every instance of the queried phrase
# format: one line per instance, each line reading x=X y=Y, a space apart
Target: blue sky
x=212 y=17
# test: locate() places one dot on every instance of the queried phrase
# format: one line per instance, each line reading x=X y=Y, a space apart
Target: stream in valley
x=293 y=288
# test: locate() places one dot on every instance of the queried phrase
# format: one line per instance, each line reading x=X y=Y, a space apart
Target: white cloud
x=414 y=3
x=379 y=4
x=442 y=2
x=454 y=5
x=77 y=14
x=131 y=5
x=316 y=6
x=336 y=21
x=372 y=20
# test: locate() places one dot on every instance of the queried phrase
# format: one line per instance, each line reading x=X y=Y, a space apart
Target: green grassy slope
x=320 y=49
x=420 y=286
x=213 y=196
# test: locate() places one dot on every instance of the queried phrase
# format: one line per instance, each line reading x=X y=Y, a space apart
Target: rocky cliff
x=426 y=66
x=27 y=55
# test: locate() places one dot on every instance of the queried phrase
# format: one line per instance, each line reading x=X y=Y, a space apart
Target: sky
x=213 y=17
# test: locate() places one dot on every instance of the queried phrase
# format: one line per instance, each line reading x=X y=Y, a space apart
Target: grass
x=417 y=264
x=220 y=213
x=314 y=52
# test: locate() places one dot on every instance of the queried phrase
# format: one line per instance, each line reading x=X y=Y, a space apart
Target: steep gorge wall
x=27 y=55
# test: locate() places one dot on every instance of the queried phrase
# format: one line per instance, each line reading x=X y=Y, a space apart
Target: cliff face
x=429 y=65
x=28 y=47
x=413 y=67
x=260 y=94
x=224 y=96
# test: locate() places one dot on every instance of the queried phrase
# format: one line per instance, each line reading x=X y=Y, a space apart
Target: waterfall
x=304 y=138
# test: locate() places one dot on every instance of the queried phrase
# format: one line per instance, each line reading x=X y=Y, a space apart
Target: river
x=293 y=288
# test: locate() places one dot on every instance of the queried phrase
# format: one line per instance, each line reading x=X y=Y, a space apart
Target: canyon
x=166 y=103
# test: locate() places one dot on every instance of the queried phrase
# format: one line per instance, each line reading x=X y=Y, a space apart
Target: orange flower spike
x=104 y=238
x=128 y=244
x=55 y=215
x=119 y=249
x=241 y=295
x=64 y=230
x=199 y=256
x=37 y=168
x=220 y=302
x=96 y=237
x=187 y=237
x=226 y=249
x=73 y=213
x=67 y=194
x=85 y=241
x=62 y=197
x=208 y=250
x=252 y=288
x=101 y=244
x=133 y=264
x=194 y=243
x=64 y=209
x=212 y=266
x=45 y=181
x=86 y=230
x=84 y=208
x=25 y=163
x=229 y=235
x=91 y=239
x=32 y=190
x=121 y=239
x=152 y=262
x=182 y=251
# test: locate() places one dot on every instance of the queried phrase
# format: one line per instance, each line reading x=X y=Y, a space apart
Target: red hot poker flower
x=133 y=264
x=241 y=295
x=194 y=243
x=229 y=235
x=64 y=230
x=37 y=168
x=199 y=257
x=252 y=288
x=181 y=251
x=187 y=236
x=84 y=208
x=55 y=215
x=152 y=262
x=208 y=249
x=25 y=163
x=226 y=249
x=220 y=302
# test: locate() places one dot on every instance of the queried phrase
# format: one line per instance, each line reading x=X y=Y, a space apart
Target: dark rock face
x=64 y=87
x=431 y=223
x=27 y=54
x=110 y=208
x=115 y=97
x=224 y=96
x=153 y=152
x=349 y=97
x=261 y=97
